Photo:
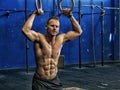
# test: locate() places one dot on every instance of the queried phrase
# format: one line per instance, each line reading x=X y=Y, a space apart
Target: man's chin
x=54 y=34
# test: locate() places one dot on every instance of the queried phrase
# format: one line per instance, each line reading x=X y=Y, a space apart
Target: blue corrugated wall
x=85 y=49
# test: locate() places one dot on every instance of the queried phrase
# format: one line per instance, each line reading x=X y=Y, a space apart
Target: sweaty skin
x=47 y=47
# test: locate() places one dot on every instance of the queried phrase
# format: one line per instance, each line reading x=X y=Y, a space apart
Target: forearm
x=29 y=22
x=75 y=25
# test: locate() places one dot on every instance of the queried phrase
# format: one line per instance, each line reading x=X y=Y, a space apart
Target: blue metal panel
x=13 y=44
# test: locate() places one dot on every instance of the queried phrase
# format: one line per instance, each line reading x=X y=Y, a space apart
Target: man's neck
x=50 y=38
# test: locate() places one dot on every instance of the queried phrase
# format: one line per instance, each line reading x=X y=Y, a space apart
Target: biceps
x=32 y=35
x=70 y=36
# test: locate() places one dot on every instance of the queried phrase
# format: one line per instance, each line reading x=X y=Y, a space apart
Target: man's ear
x=46 y=27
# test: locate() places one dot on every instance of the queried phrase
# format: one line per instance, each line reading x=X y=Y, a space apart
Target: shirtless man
x=47 y=49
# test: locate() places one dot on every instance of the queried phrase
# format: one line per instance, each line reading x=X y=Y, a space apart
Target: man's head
x=52 y=26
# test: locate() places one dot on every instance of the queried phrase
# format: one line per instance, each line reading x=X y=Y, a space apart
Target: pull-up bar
x=110 y=8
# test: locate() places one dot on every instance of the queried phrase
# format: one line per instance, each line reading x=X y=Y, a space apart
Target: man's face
x=53 y=27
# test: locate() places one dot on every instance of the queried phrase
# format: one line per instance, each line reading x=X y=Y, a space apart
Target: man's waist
x=43 y=76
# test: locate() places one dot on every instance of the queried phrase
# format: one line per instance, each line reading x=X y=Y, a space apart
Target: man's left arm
x=76 y=28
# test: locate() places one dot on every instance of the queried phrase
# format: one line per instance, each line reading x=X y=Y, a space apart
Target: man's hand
x=67 y=12
x=39 y=12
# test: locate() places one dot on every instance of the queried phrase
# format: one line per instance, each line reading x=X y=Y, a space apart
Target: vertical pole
x=54 y=7
x=113 y=29
x=93 y=38
x=27 y=47
x=102 y=34
x=119 y=28
x=58 y=13
x=79 y=13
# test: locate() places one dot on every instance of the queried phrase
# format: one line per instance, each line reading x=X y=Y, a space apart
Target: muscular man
x=47 y=49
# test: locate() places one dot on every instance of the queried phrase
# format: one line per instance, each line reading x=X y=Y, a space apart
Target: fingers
x=39 y=12
x=66 y=12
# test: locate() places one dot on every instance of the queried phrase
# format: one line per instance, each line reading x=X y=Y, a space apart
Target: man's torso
x=47 y=56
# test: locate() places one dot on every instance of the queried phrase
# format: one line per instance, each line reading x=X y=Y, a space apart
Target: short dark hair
x=53 y=17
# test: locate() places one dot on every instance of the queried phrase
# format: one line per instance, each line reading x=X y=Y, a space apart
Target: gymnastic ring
x=73 y=5
x=38 y=4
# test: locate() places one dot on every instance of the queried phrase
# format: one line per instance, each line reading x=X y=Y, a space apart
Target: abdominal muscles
x=47 y=68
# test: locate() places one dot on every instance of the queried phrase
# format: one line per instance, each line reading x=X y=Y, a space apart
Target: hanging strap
x=38 y=4
x=73 y=4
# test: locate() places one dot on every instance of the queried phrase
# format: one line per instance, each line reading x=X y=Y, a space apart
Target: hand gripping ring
x=73 y=4
x=38 y=4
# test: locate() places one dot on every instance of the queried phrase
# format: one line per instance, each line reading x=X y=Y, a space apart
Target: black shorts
x=39 y=84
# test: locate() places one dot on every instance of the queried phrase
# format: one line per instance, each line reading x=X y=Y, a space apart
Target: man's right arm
x=31 y=34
